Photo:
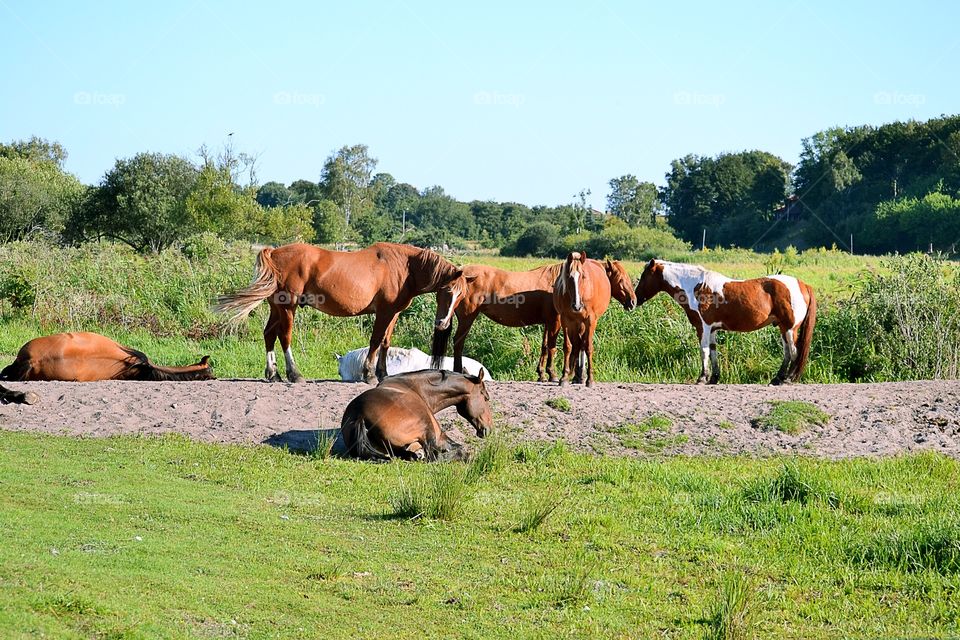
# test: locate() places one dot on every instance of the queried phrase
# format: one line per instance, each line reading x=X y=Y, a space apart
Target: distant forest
x=893 y=188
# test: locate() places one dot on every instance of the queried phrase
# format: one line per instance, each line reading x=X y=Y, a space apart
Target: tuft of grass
x=538 y=511
x=324 y=448
x=791 y=484
x=574 y=585
x=921 y=546
x=731 y=617
x=650 y=435
x=442 y=495
x=559 y=404
x=488 y=459
x=791 y=417
x=726 y=424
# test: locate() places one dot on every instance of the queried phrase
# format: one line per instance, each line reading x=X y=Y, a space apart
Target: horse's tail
x=438 y=348
x=239 y=304
x=805 y=337
x=356 y=438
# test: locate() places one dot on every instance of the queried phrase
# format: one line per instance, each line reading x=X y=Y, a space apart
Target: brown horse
x=396 y=419
x=88 y=357
x=17 y=397
x=382 y=279
x=513 y=299
x=581 y=295
x=715 y=303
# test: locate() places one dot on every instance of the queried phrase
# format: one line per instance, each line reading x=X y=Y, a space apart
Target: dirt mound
x=631 y=419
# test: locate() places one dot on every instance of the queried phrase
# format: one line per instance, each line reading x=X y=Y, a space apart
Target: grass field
x=904 y=329
x=148 y=538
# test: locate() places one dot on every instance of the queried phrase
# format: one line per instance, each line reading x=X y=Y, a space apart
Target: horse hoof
x=274 y=378
x=563 y=382
x=30 y=398
x=776 y=382
x=714 y=381
x=589 y=383
x=296 y=379
x=701 y=381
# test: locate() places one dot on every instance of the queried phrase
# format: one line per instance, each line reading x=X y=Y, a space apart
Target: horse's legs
x=789 y=355
x=705 y=335
x=554 y=326
x=269 y=339
x=460 y=340
x=286 y=336
x=591 y=328
x=714 y=359
x=567 y=346
x=385 y=347
x=379 y=341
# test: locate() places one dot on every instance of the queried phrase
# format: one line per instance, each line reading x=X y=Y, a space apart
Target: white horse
x=401 y=360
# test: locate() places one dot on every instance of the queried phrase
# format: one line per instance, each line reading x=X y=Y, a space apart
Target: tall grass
x=901 y=321
x=732 y=615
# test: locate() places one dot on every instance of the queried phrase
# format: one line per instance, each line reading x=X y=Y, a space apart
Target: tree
x=35 y=150
x=216 y=204
x=346 y=180
x=275 y=194
x=141 y=202
x=633 y=201
x=35 y=194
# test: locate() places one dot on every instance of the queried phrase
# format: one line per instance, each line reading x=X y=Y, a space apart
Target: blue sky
x=526 y=102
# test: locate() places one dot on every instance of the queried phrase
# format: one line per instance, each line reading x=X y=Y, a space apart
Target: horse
x=396 y=418
x=382 y=280
x=400 y=360
x=89 y=357
x=581 y=294
x=512 y=299
x=715 y=303
x=17 y=397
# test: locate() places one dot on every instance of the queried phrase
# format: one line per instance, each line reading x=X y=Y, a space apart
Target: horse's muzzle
x=630 y=305
x=441 y=325
x=577 y=307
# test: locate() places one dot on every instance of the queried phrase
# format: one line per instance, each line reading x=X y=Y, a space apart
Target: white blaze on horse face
x=453 y=304
x=575 y=276
x=797 y=303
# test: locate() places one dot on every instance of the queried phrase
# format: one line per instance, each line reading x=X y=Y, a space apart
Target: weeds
x=559 y=404
x=731 y=617
x=791 y=417
x=488 y=459
x=922 y=546
x=538 y=511
x=442 y=495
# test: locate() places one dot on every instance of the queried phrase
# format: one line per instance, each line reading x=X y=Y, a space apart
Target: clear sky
x=512 y=101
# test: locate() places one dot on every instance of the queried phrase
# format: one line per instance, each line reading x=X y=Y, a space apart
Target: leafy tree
x=306 y=192
x=35 y=150
x=219 y=206
x=275 y=194
x=346 y=180
x=540 y=239
x=328 y=223
x=142 y=202
x=35 y=194
x=633 y=201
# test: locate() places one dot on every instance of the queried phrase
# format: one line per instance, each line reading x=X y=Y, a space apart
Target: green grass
x=146 y=538
x=791 y=417
x=560 y=404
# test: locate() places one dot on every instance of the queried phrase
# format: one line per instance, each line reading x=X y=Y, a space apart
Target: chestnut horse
x=396 y=418
x=715 y=303
x=512 y=299
x=88 y=357
x=581 y=295
x=17 y=397
x=382 y=279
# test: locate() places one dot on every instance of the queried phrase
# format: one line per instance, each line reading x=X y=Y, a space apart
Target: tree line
x=893 y=187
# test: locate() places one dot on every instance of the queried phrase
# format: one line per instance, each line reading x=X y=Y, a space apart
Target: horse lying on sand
x=396 y=419
x=512 y=299
x=88 y=357
x=714 y=302
x=382 y=279
x=581 y=295
x=400 y=360
x=17 y=397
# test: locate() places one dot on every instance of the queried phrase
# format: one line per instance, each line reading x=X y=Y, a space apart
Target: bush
x=17 y=289
x=540 y=239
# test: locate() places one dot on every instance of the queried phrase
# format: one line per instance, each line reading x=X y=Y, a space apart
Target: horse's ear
x=609 y=264
x=583 y=256
x=456 y=274
x=337 y=356
x=204 y=360
x=480 y=375
x=651 y=263
x=471 y=278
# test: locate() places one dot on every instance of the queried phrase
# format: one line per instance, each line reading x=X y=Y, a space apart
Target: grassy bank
x=139 y=538
x=879 y=320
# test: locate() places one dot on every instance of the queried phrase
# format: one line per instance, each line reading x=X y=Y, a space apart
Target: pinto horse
x=512 y=299
x=715 y=303
x=89 y=357
x=396 y=418
x=382 y=280
x=581 y=295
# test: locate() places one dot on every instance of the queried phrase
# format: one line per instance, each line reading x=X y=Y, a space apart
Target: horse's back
x=80 y=357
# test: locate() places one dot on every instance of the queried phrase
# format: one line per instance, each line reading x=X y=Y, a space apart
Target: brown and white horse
x=512 y=299
x=89 y=357
x=382 y=280
x=581 y=295
x=396 y=418
x=715 y=303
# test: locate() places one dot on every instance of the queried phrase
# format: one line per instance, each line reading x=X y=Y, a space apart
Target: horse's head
x=450 y=294
x=651 y=281
x=475 y=408
x=621 y=287
x=572 y=276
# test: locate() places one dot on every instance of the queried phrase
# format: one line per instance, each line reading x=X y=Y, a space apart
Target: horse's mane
x=435 y=270
x=562 y=269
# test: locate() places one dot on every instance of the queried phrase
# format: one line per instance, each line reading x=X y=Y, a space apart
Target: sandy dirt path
x=866 y=419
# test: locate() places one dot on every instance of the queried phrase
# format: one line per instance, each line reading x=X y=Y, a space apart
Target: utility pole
x=851 y=244
x=703 y=240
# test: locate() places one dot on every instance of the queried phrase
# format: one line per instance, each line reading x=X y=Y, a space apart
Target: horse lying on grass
x=714 y=302
x=396 y=419
x=400 y=360
x=89 y=357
